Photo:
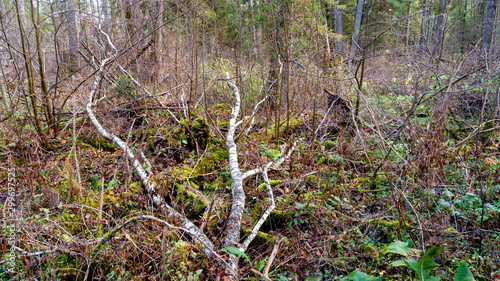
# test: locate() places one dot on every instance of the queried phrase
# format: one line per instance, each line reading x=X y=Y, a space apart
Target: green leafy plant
x=423 y=267
x=235 y=251
x=397 y=247
x=261 y=264
x=124 y=85
x=463 y=273
x=470 y=204
x=360 y=276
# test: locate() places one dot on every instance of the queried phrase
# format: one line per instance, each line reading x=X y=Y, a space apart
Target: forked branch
x=234 y=221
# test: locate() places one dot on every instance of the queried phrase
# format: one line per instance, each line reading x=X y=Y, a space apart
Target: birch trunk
x=233 y=228
x=153 y=194
x=234 y=221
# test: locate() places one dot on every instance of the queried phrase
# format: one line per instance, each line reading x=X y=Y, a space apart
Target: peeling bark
x=234 y=221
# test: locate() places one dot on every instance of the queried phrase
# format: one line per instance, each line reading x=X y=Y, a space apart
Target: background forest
x=250 y=140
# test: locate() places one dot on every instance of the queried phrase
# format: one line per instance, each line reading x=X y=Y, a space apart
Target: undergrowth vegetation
x=354 y=203
x=388 y=152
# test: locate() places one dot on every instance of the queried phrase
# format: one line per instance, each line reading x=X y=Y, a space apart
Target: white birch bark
x=234 y=221
x=238 y=201
x=207 y=245
x=266 y=214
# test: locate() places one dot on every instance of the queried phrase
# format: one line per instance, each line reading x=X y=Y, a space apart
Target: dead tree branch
x=153 y=194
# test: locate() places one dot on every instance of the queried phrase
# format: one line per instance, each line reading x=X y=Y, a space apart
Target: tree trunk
x=338 y=28
x=49 y=114
x=355 y=48
x=106 y=14
x=423 y=25
x=408 y=24
x=73 y=36
x=21 y=19
x=463 y=26
x=439 y=26
x=3 y=14
x=488 y=27
x=157 y=39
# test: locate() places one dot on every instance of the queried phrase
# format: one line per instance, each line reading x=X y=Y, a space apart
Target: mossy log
x=99 y=142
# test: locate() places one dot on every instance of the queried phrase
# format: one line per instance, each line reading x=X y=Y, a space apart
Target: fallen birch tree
x=232 y=242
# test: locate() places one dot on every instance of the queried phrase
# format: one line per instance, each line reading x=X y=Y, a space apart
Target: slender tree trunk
x=106 y=15
x=3 y=21
x=41 y=66
x=273 y=73
x=73 y=35
x=463 y=26
x=355 y=48
x=438 y=44
x=4 y=25
x=21 y=19
x=26 y=53
x=129 y=18
x=286 y=74
x=408 y=24
x=488 y=27
x=423 y=25
x=338 y=28
x=157 y=40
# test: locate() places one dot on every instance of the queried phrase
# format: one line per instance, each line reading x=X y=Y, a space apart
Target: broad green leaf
x=235 y=251
x=360 y=276
x=413 y=265
x=463 y=273
x=399 y=263
x=423 y=267
x=397 y=247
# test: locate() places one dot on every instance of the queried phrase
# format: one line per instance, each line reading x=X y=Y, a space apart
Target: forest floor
x=351 y=198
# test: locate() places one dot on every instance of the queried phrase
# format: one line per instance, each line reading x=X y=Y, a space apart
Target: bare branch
x=272 y=256
x=254 y=111
x=266 y=214
x=276 y=164
x=35 y=253
x=141 y=217
x=272 y=205
x=147 y=92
